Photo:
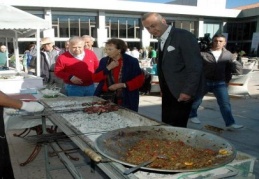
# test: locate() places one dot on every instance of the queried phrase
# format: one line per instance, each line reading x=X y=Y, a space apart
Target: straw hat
x=46 y=40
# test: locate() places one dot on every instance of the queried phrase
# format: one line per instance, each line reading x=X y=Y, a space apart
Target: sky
x=230 y=3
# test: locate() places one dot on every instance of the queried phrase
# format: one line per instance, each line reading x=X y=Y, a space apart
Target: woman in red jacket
x=120 y=74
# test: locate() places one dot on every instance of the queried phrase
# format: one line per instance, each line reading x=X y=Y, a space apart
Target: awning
x=15 y=23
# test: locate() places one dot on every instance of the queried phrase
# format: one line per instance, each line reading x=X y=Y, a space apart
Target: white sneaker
x=195 y=120
x=235 y=126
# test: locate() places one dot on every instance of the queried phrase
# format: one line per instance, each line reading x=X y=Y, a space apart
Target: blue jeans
x=75 y=90
x=219 y=89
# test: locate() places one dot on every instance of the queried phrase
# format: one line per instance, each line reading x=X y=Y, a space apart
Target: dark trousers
x=173 y=112
x=6 y=170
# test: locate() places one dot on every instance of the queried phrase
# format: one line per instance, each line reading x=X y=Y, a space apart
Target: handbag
x=109 y=96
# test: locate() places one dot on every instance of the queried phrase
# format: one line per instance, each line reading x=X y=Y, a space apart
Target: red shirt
x=67 y=66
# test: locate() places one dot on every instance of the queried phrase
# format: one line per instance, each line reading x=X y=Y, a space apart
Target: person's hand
x=184 y=98
x=76 y=80
x=32 y=106
x=113 y=64
x=116 y=86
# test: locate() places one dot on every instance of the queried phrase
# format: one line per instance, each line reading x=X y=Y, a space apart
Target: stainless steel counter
x=83 y=129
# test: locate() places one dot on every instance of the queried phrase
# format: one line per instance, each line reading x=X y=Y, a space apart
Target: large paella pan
x=115 y=145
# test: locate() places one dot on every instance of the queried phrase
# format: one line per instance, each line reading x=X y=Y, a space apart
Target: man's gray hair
x=146 y=15
x=88 y=36
x=75 y=39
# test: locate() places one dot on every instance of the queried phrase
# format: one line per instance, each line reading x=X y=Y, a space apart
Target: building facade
x=104 y=19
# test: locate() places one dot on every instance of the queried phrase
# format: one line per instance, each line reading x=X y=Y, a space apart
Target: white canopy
x=15 y=23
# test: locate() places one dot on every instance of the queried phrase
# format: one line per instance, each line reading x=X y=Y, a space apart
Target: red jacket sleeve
x=136 y=82
x=99 y=76
x=59 y=69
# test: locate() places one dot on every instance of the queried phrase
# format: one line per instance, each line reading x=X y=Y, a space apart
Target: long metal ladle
x=143 y=164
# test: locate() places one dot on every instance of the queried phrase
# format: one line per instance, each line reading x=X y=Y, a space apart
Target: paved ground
x=245 y=111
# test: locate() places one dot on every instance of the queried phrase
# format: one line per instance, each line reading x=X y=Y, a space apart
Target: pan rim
x=148 y=128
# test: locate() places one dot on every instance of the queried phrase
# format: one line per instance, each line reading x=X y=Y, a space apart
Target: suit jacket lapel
x=167 y=43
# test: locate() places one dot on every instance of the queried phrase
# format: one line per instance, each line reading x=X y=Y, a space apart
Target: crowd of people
x=144 y=54
x=185 y=73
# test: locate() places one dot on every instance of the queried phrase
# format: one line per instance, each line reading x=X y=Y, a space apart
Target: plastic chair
x=238 y=85
x=249 y=65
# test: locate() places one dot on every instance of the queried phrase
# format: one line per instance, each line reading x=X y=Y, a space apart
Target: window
x=212 y=28
x=112 y=25
x=240 y=35
x=74 y=25
x=123 y=33
x=187 y=25
x=241 y=30
x=122 y=27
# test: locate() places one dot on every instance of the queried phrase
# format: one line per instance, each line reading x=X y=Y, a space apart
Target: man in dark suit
x=179 y=68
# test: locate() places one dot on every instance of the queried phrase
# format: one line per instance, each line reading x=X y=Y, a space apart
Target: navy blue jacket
x=130 y=70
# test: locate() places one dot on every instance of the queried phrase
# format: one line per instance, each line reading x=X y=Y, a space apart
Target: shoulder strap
x=109 y=79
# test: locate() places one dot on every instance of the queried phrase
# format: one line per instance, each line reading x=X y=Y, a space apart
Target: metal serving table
x=83 y=129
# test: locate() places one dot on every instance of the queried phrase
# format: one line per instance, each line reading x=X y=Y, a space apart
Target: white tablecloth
x=19 y=122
